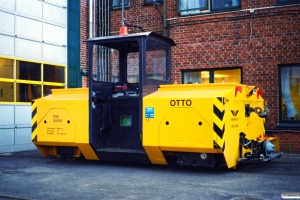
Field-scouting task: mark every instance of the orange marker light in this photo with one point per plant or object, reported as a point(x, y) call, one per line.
point(123, 30)
point(238, 88)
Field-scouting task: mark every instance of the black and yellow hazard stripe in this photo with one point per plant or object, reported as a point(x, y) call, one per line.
point(218, 121)
point(33, 121)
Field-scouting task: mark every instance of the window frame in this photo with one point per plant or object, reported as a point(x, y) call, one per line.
point(16, 81)
point(186, 10)
point(150, 2)
point(165, 67)
point(281, 2)
point(207, 9)
point(283, 122)
point(119, 6)
point(211, 73)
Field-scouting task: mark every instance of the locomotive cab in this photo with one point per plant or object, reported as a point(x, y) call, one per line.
point(124, 69)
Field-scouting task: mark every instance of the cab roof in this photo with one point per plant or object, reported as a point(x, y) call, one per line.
point(119, 41)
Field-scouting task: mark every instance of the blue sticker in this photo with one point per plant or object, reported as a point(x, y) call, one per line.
point(149, 112)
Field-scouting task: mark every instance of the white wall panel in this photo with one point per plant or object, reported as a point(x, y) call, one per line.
point(54, 34)
point(7, 25)
point(54, 53)
point(7, 137)
point(28, 49)
point(24, 24)
point(23, 114)
point(59, 17)
point(7, 45)
point(29, 7)
point(23, 136)
point(28, 28)
point(24, 147)
point(59, 2)
point(7, 4)
point(7, 115)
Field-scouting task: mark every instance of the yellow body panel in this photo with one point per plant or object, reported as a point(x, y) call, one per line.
point(189, 134)
point(200, 118)
point(155, 155)
point(58, 126)
point(62, 120)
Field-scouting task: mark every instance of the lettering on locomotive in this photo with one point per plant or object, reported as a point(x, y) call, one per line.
point(234, 112)
point(181, 102)
point(55, 118)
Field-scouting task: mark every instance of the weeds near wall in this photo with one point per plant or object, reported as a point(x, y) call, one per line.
point(289, 148)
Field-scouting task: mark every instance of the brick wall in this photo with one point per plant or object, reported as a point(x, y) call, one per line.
point(258, 42)
point(138, 14)
point(289, 141)
point(84, 34)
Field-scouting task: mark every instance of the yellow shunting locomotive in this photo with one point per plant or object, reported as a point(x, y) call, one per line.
point(131, 112)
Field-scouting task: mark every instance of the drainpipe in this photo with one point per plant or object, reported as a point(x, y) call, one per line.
point(165, 17)
point(91, 18)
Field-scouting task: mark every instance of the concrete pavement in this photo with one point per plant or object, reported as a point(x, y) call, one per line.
point(28, 175)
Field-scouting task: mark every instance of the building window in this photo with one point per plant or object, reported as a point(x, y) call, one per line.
point(28, 71)
point(287, 1)
point(54, 73)
point(186, 7)
point(224, 4)
point(118, 4)
point(27, 92)
point(24, 81)
point(232, 75)
point(153, 1)
point(290, 93)
point(6, 92)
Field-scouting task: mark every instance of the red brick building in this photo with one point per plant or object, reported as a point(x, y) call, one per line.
point(253, 42)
